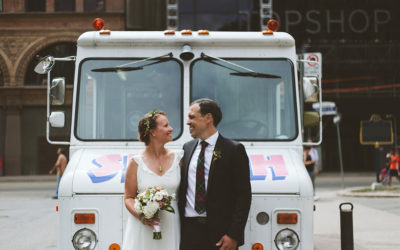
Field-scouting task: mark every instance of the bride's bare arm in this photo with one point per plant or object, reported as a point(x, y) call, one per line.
point(131, 187)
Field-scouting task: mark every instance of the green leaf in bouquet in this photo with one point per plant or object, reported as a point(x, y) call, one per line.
point(169, 209)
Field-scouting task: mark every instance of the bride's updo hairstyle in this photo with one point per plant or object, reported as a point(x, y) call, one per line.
point(147, 123)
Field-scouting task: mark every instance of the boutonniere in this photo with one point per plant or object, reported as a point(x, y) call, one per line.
point(216, 155)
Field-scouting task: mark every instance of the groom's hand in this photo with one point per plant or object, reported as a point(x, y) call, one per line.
point(227, 243)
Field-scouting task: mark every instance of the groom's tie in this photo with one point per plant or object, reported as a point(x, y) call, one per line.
point(200, 196)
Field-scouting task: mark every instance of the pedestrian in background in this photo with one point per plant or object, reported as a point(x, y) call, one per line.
point(314, 157)
point(309, 163)
point(394, 166)
point(59, 167)
point(1, 166)
point(384, 172)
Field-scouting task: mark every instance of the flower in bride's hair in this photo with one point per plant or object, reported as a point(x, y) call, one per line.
point(148, 120)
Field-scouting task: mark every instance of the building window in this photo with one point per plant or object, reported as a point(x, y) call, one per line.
point(35, 5)
point(94, 5)
point(61, 69)
point(64, 5)
point(221, 15)
point(1, 78)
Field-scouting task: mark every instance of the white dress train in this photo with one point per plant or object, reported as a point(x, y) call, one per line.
point(140, 237)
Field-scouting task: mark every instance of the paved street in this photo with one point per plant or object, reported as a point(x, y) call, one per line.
point(28, 219)
point(27, 215)
point(376, 221)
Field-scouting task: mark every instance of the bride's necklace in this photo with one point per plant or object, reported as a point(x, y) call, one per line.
point(159, 163)
point(160, 168)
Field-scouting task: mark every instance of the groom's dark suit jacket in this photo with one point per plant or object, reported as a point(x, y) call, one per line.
point(228, 191)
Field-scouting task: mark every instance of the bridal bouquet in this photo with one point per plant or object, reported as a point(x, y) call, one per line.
point(149, 203)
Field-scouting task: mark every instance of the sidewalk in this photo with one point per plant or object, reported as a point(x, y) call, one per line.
point(356, 185)
point(29, 178)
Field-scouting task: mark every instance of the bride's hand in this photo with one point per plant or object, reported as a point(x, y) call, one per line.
point(150, 222)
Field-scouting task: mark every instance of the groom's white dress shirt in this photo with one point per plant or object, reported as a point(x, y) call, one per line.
point(191, 191)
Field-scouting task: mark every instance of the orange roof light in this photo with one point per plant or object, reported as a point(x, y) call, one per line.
point(186, 32)
point(257, 246)
point(98, 24)
point(84, 218)
point(105, 32)
point(169, 32)
point(204, 32)
point(287, 218)
point(273, 25)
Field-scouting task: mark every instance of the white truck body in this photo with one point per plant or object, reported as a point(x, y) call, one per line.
point(94, 179)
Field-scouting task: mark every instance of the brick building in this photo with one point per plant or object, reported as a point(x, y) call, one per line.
point(31, 29)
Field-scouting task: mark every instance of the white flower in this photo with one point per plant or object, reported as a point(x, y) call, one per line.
point(150, 209)
point(158, 196)
point(173, 196)
point(164, 192)
point(138, 207)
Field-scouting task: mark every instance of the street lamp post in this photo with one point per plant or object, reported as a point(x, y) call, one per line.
point(336, 120)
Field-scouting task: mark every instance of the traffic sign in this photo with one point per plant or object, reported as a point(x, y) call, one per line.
point(313, 64)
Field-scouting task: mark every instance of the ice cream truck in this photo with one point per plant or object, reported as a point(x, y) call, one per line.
point(121, 75)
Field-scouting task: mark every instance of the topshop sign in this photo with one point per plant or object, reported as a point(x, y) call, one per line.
point(333, 21)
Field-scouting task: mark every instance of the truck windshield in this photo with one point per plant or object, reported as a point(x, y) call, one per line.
point(257, 104)
point(112, 97)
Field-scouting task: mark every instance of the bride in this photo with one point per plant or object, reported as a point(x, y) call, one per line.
point(156, 166)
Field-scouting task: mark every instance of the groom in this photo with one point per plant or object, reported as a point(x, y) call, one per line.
point(215, 192)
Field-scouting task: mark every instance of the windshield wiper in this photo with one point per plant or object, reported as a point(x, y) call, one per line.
point(123, 67)
point(117, 69)
point(249, 72)
point(255, 74)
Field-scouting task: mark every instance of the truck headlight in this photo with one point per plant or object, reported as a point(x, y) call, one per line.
point(287, 239)
point(84, 239)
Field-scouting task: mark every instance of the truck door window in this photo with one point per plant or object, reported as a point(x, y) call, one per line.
point(111, 101)
point(255, 106)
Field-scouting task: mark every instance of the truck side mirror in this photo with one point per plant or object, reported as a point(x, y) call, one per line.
point(57, 119)
point(57, 91)
point(45, 65)
point(310, 89)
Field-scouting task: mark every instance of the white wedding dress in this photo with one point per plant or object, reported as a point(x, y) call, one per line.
point(140, 237)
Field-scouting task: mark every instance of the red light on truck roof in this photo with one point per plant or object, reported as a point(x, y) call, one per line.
point(273, 25)
point(98, 24)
